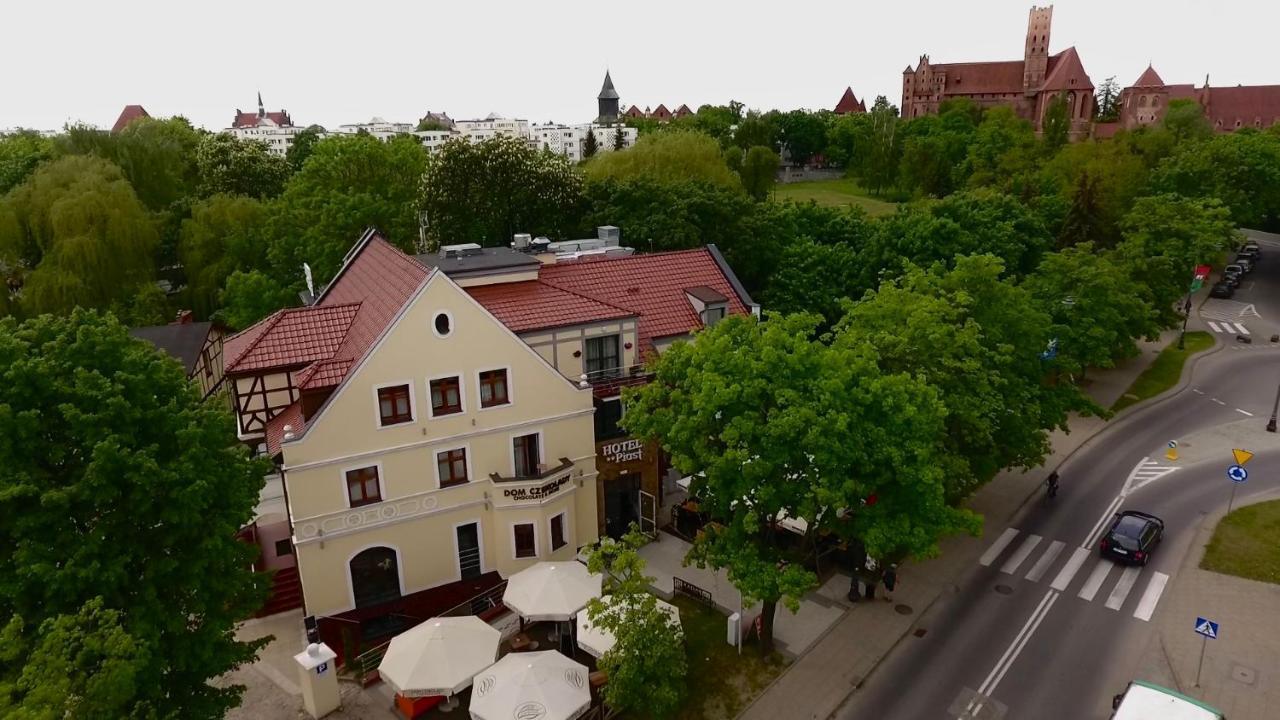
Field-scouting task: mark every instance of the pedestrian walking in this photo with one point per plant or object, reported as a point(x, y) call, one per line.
point(890, 581)
point(870, 578)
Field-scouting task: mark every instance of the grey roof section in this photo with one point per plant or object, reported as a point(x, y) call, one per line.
point(706, 294)
point(607, 92)
point(487, 261)
point(183, 342)
point(743, 295)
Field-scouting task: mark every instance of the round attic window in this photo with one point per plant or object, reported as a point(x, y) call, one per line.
point(443, 324)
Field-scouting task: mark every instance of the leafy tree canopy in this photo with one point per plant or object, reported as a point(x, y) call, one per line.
point(759, 171)
point(232, 166)
point(21, 151)
point(1241, 169)
point(224, 233)
point(119, 503)
point(669, 157)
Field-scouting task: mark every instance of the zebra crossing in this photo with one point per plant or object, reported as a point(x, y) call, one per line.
point(1227, 328)
point(1095, 580)
point(1224, 316)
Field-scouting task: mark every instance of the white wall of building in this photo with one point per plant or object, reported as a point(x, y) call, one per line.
point(278, 138)
point(569, 140)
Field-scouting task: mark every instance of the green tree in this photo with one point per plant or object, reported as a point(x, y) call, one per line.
point(934, 149)
point(77, 666)
point(815, 277)
point(879, 169)
point(252, 295)
point(761, 414)
point(304, 143)
point(619, 137)
point(225, 233)
point(672, 156)
point(21, 152)
point(759, 171)
point(1085, 219)
point(1241, 169)
point(349, 183)
point(849, 142)
point(1185, 120)
point(1056, 124)
point(1097, 311)
point(803, 134)
point(1095, 184)
point(158, 158)
point(1003, 151)
point(1107, 98)
point(76, 235)
point(486, 192)
point(647, 667)
point(232, 166)
point(589, 144)
point(121, 484)
point(756, 129)
point(1165, 237)
point(976, 339)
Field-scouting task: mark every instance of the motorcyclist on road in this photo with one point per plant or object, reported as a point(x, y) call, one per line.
point(1052, 482)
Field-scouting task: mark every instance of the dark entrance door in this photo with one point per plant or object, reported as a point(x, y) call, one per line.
point(375, 576)
point(621, 504)
point(468, 550)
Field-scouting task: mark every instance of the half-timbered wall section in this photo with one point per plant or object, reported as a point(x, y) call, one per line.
point(259, 398)
point(208, 370)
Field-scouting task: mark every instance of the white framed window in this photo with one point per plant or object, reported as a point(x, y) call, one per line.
point(446, 395)
point(528, 453)
point(559, 525)
point(494, 387)
point(453, 467)
point(362, 484)
point(524, 540)
point(394, 404)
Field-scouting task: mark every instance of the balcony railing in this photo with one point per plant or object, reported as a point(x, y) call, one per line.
point(628, 375)
point(544, 470)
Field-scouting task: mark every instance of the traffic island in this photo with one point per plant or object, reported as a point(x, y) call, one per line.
point(1247, 543)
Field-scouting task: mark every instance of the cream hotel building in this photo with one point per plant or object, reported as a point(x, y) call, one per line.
point(440, 422)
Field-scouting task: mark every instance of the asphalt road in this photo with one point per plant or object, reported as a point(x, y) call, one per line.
point(1042, 627)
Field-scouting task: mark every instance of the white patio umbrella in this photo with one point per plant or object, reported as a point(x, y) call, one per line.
point(440, 656)
point(551, 591)
point(531, 686)
point(597, 641)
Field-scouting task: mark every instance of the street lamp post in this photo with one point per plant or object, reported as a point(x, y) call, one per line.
point(1271, 424)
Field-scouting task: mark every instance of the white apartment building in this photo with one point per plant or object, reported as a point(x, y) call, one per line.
point(276, 129)
point(570, 140)
point(492, 126)
point(379, 128)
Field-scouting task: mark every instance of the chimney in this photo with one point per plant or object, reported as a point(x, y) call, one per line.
point(520, 241)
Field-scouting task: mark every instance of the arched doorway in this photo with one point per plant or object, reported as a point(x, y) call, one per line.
point(375, 576)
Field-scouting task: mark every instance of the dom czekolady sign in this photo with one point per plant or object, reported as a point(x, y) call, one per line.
point(535, 493)
point(623, 451)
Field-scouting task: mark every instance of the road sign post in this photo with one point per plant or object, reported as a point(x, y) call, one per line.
point(1172, 453)
point(1237, 474)
point(1206, 629)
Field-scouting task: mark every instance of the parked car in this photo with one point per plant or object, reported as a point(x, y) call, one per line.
point(1232, 278)
point(1132, 537)
point(1245, 262)
point(1252, 248)
point(1222, 289)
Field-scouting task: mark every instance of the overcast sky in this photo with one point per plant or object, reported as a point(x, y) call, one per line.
point(333, 63)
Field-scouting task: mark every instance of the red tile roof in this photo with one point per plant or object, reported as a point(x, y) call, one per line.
point(340, 327)
point(849, 103)
point(533, 304)
point(1250, 104)
point(983, 77)
point(1149, 78)
point(250, 119)
point(651, 286)
point(294, 336)
point(291, 416)
point(1063, 69)
point(128, 115)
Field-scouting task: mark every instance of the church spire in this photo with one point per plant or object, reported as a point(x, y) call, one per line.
point(607, 101)
point(262, 111)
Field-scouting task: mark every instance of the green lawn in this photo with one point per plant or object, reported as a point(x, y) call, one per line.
point(842, 193)
point(1247, 543)
point(721, 682)
point(1165, 371)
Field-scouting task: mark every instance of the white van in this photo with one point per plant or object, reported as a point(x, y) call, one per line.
point(1148, 701)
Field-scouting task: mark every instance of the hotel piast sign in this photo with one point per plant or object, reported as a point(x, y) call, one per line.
point(623, 451)
point(535, 493)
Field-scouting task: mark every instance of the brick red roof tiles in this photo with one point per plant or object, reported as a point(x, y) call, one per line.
point(1149, 78)
point(533, 304)
point(1249, 104)
point(250, 119)
point(983, 77)
point(849, 103)
point(337, 331)
point(1066, 72)
point(128, 115)
point(274, 432)
point(294, 336)
point(652, 286)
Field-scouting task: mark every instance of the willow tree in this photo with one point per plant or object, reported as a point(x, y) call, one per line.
point(78, 236)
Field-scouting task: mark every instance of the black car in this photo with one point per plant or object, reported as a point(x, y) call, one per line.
point(1222, 289)
point(1132, 537)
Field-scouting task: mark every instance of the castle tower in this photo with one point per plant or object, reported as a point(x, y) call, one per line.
point(608, 101)
point(1036, 57)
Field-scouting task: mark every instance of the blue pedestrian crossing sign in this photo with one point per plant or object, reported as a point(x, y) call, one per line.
point(1237, 473)
point(1207, 628)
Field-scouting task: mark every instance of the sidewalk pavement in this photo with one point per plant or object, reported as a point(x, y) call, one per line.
point(815, 685)
point(1239, 674)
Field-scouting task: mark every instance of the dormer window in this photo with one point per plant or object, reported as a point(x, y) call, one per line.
point(710, 305)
